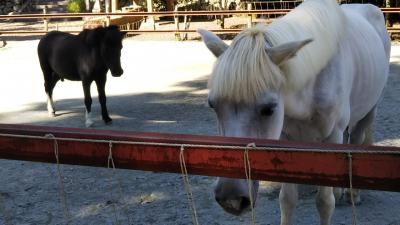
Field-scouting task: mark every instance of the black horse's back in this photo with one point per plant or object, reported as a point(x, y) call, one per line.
point(58, 52)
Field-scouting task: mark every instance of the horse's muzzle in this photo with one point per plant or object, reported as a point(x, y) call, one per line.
point(117, 73)
point(235, 206)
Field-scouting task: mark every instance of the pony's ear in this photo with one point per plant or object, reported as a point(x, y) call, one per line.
point(213, 42)
point(95, 36)
point(281, 53)
point(124, 33)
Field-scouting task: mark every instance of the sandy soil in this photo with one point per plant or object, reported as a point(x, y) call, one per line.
point(163, 89)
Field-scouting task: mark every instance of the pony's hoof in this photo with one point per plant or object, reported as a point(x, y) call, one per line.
point(108, 121)
point(52, 114)
point(89, 123)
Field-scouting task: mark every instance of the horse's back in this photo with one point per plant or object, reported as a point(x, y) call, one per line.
point(59, 51)
point(368, 46)
point(375, 18)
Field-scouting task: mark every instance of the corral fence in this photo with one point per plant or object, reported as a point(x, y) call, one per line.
point(249, 14)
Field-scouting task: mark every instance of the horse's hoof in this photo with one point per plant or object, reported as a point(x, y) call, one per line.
point(357, 200)
point(356, 197)
point(338, 193)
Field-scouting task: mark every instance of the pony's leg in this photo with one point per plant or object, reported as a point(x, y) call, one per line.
point(50, 82)
point(101, 83)
point(288, 197)
point(362, 133)
point(88, 102)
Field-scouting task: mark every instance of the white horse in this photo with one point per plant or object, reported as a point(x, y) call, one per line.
point(309, 76)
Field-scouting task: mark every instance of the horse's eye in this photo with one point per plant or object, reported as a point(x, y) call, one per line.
point(268, 110)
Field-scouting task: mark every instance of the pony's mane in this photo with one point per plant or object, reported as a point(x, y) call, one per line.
point(245, 71)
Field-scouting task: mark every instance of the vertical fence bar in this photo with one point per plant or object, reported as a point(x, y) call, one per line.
point(45, 20)
point(249, 17)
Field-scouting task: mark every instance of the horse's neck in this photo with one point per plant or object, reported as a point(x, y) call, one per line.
point(322, 105)
point(298, 102)
point(323, 21)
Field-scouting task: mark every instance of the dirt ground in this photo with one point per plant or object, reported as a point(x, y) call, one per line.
point(163, 89)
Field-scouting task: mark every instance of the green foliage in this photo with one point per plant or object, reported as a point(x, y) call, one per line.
point(76, 6)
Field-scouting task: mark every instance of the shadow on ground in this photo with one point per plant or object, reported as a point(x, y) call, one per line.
point(178, 111)
point(182, 111)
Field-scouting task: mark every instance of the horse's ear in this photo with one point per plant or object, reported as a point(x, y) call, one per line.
point(123, 34)
point(112, 27)
point(213, 42)
point(281, 53)
point(95, 36)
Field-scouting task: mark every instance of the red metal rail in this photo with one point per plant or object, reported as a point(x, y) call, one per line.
point(283, 162)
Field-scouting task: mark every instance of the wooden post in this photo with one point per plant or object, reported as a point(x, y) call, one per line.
point(107, 6)
point(114, 5)
point(108, 21)
point(170, 5)
point(87, 5)
point(387, 5)
point(96, 7)
point(176, 21)
point(45, 21)
point(249, 17)
point(150, 19)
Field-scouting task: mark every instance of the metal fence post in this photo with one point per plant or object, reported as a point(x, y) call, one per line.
point(45, 21)
point(249, 17)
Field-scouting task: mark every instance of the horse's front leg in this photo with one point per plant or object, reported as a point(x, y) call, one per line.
point(88, 102)
point(325, 198)
point(325, 204)
point(101, 83)
point(288, 197)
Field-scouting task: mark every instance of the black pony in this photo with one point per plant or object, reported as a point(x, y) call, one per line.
point(84, 57)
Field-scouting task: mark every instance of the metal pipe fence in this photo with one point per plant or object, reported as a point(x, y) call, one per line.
point(249, 13)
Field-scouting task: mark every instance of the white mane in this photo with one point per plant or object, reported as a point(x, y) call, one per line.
point(245, 70)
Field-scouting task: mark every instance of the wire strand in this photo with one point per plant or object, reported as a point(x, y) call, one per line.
point(247, 168)
point(62, 193)
point(187, 186)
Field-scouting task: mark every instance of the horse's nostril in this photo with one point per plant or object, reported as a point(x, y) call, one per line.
point(244, 202)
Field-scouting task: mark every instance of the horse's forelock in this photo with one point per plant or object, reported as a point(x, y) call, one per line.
point(244, 72)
